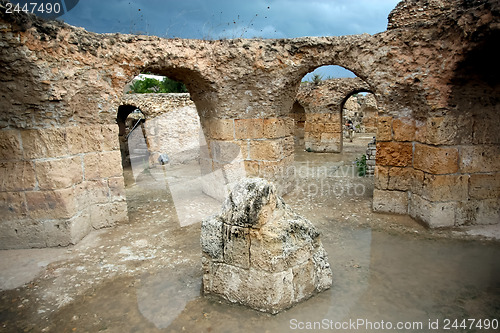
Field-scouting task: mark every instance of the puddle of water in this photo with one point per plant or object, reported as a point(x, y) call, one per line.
point(381, 273)
point(377, 277)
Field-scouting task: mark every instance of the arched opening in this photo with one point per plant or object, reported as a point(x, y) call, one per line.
point(359, 117)
point(326, 173)
point(131, 133)
point(323, 94)
point(164, 156)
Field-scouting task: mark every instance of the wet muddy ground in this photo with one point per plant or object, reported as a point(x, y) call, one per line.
point(145, 276)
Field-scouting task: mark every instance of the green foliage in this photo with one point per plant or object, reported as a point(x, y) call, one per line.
point(316, 79)
point(361, 165)
point(149, 85)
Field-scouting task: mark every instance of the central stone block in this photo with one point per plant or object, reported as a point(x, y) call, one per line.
point(259, 253)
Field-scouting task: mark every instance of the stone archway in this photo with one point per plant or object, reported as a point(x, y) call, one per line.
point(324, 104)
point(63, 86)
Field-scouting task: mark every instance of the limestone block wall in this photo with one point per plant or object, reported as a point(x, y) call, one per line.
point(172, 125)
point(235, 148)
point(58, 184)
point(323, 103)
point(439, 172)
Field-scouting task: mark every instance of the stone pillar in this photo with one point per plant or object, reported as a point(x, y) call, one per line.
point(237, 148)
point(59, 183)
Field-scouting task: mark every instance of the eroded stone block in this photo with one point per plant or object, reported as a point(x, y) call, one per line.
point(390, 201)
point(435, 160)
point(259, 253)
point(394, 153)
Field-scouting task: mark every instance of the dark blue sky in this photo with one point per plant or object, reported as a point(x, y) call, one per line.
point(214, 19)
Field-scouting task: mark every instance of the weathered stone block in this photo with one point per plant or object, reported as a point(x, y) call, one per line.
point(10, 145)
point(403, 129)
point(479, 159)
point(333, 128)
point(267, 150)
point(252, 168)
point(44, 143)
point(262, 291)
point(91, 192)
point(484, 186)
point(221, 129)
point(446, 130)
point(303, 280)
point(318, 128)
point(390, 201)
point(231, 171)
point(274, 128)
point(405, 179)
point(85, 139)
point(435, 160)
point(445, 187)
point(102, 165)
point(12, 206)
point(384, 128)
point(79, 225)
point(212, 243)
point(271, 169)
point(381, 177)
point(249, 128)
point(486, 128)
point(259, 253)
point(288, 146)
point(331, 137)
point(59, 173)
point(110, 140)
point(289, 126)
point(17, 176)
point(228, 151)
point(432, 214)
point(394, 154)
point(473, 212)
point(116, 188)
point(21, 233)
point(56, 204)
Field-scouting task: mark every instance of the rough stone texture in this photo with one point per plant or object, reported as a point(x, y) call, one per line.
point(323, 104)
point(56, 200)
point(172, 126)
point(259, 253)
point(435, 67)
point(362, 111)
point(390, 201)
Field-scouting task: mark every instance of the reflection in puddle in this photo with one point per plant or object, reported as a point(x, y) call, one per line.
point(377, 277)
point(163, 296)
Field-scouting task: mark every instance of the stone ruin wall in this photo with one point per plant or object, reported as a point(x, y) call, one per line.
point(435, 81)
point(172, 126)
point(363, 111)
point(323, 104)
